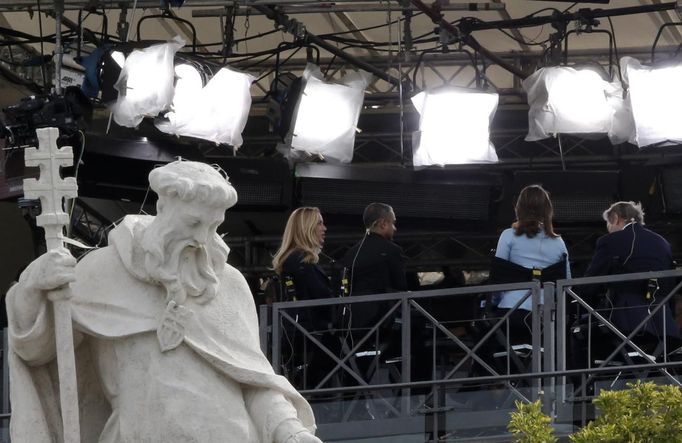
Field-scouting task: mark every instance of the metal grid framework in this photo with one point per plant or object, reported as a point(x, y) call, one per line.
point(457, 358)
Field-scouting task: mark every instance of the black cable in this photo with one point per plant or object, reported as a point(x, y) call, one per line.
point(615, 50)
point(525, 42)
point(262, 34)
point(569, 8)
point(329, 65)
point(272, 55)
point(42, 49)
point(369, 28)
point(37, 39)
point(533, 14)
point(374, 44)
point(248, 56)
point(255, 36)
point(274, 69)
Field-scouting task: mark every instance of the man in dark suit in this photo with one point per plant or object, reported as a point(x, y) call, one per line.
point(375, 264)
point(630, 247)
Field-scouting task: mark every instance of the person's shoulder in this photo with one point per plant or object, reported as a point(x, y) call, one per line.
point(387, 244)
point(293, 260)
point(655, 236)
point(395, 247)
point(612, 237)
point(508, 235)
point(509, 232)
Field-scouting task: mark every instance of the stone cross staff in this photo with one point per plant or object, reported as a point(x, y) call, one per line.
point(51, 189)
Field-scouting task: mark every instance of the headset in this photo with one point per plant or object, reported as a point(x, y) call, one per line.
point(355, 257)
point(632, 245)
point(348, 273)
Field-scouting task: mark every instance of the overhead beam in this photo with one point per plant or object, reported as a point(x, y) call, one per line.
point(184, 29)
point(15, 5)
point(467, 39)
point(314, 7)
point(515, 32)
point(355, 31)
point(664, 16)
point(297, 29)
point(582, 14)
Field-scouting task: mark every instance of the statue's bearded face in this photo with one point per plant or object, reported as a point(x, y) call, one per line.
point(184, 250)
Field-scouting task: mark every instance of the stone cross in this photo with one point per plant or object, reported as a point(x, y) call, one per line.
point(52, 189)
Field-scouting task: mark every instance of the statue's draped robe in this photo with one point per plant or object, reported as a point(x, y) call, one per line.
point(191, 393)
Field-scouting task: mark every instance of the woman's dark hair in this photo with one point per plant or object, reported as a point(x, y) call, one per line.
point(534, 212)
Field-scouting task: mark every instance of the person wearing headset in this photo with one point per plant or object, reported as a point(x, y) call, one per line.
point(630, 247)
point(297, 263)
point(375, 264)
point(532, 243)
point(299, 254)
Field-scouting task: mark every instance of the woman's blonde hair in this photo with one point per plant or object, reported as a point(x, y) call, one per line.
point(299, 233)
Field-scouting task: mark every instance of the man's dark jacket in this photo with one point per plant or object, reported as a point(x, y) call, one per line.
point(375, 265)
point(378, 267)
point(634, 249)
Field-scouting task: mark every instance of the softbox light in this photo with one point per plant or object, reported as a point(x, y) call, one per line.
point(215, 112)
point(654, 94)
point(145, 85)
point(454, 127)
point(326, 116)
point(564, 100)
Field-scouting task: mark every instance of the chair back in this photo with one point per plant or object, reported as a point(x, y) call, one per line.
point(504, 271)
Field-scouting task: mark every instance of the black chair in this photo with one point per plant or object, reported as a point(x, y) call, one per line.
point(517, 346)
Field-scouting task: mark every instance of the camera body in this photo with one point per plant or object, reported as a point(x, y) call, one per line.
point(70, 113)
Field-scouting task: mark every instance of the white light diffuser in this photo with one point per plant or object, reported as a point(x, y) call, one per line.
point(215, 112)
point(145, 86)
point(654, 94)
point(454, 127)
point(327, 115)
point(564, 100)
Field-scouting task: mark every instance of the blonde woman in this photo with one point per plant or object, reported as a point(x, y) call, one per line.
point(297, 259)
point(298, 256)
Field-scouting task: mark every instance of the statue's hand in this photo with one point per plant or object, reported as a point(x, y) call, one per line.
point(303, 437)
point(292, 431)
point(52, 270)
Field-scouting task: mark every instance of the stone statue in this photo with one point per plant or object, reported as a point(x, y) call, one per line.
point(165, 331)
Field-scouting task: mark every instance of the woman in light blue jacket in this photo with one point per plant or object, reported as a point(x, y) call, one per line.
point(532, 243)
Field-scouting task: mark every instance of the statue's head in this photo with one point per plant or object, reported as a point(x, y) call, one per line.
point(192, 182)
point(183, 248)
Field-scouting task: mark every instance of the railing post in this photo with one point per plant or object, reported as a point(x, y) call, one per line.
point(561, 336)
point(5, 383)
point(264, 329)
point(536, 361)
point(276, 349)
point(548, 337)
point(405, 375)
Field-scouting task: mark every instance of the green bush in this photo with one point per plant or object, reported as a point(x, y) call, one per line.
point(530, 425)
point(643, 413)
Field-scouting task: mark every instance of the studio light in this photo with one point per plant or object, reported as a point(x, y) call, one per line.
point(326, 116)
point(564, 100)
point(454, 127)
point(215, 112)
point(653, 96)
point(145, 86)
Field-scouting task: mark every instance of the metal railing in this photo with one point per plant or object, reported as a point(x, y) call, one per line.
point(542, 369)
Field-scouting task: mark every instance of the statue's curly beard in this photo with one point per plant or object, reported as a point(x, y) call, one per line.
point(184, 268)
